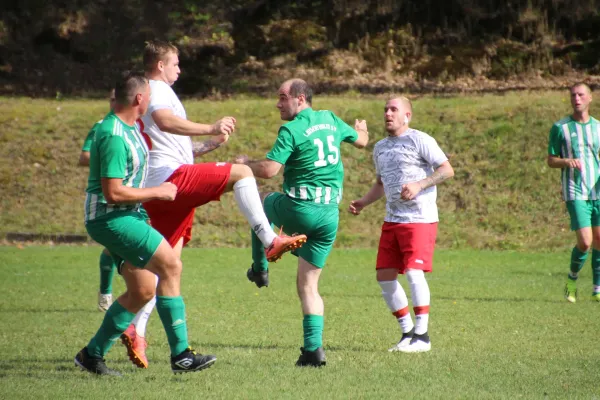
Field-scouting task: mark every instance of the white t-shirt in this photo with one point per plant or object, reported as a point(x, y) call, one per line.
point(410, 157)
point(168, 151)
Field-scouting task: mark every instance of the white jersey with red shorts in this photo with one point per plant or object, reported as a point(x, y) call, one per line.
point(172, 160)
point(410, 228)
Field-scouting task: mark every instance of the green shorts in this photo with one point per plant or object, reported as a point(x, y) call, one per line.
point(317, 221)
point(127, 236)
point(584, 213)
point(144, 214)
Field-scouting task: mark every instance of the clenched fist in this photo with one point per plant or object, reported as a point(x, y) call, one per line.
point(167, 191)
point(224, 126)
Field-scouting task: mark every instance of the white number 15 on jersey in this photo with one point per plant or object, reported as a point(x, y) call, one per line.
point(332, 157)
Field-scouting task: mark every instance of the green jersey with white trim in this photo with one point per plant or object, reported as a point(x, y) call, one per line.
point(87, 143)
point(118, 151)
point(309, 147)
point(572, 139)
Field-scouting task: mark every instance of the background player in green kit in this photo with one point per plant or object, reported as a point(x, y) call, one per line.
point(118, 170)
point(573, 147)
point(308, 147)
point(107, 264)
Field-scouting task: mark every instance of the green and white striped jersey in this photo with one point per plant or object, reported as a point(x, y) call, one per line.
point(309, 148)
point(571, 139)
point(118, 150)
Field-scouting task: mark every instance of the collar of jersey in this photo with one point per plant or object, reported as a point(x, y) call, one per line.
point(305, 111)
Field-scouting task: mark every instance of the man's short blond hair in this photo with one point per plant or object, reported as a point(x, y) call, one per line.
point(156, 51)
point(405, 100)
point(580, 84)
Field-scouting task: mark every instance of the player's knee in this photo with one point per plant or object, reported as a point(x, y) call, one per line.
point(386, 274)
point(240, 171)
point(141, 295)
point(584, 246)
point(306, 288)
point(169, 266)
point(173, 267)
point(415, 276)
point(147, 294)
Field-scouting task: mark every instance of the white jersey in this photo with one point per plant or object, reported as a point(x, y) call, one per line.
point(410, 157)
point(168, 151)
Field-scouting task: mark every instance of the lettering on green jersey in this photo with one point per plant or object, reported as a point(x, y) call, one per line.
point(319, 127)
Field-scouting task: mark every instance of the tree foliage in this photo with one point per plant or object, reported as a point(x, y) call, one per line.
point(77, 46)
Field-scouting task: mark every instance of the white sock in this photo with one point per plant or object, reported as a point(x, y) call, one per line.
point(396, 300)
point(421, 298)
point(141, 318)
point(246, 195)
point(596, 289)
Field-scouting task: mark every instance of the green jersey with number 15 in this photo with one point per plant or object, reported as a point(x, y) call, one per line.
point(309, 147)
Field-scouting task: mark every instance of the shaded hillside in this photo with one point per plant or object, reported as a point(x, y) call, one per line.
point(54, 48)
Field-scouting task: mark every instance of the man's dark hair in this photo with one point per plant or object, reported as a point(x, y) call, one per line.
point(298, 87)
point(128, 85)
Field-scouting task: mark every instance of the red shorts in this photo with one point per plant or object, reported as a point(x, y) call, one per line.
point(406, 246)
point(197, 184)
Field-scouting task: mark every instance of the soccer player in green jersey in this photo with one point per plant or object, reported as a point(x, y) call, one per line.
point(573, 147)
point(134, 337)
point(308, 146)
point(107, 264)
point(118, 170)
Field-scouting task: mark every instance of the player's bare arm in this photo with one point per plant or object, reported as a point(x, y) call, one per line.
point(265, 169)
point(84, 159)
point(443, 172)
point(116, 193)
point(169, 122)
point(360, 126)
point(558, 162)
point(201, 148)
point(375, 193)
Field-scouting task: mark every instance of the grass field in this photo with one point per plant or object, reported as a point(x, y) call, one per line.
point(503, 195)
point(499, 327)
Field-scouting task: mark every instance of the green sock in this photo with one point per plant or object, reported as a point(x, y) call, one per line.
point(107, 271)
point(172, 314)
point(116, 320)
point(313, 332)
point(596, 267)
point(578, 258)
point(259, 259)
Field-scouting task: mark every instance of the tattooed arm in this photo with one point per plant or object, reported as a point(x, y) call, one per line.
point(200, 148)
point(443, 172)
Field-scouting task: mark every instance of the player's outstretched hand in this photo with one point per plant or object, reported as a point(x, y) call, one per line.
point(241, 159)
point(360, 125)
point(410, 190)
point(356, 206)
point(167, 191)
point(225, 125)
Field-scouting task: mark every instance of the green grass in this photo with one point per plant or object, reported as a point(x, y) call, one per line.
point(500, 329)
point(502, 197)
